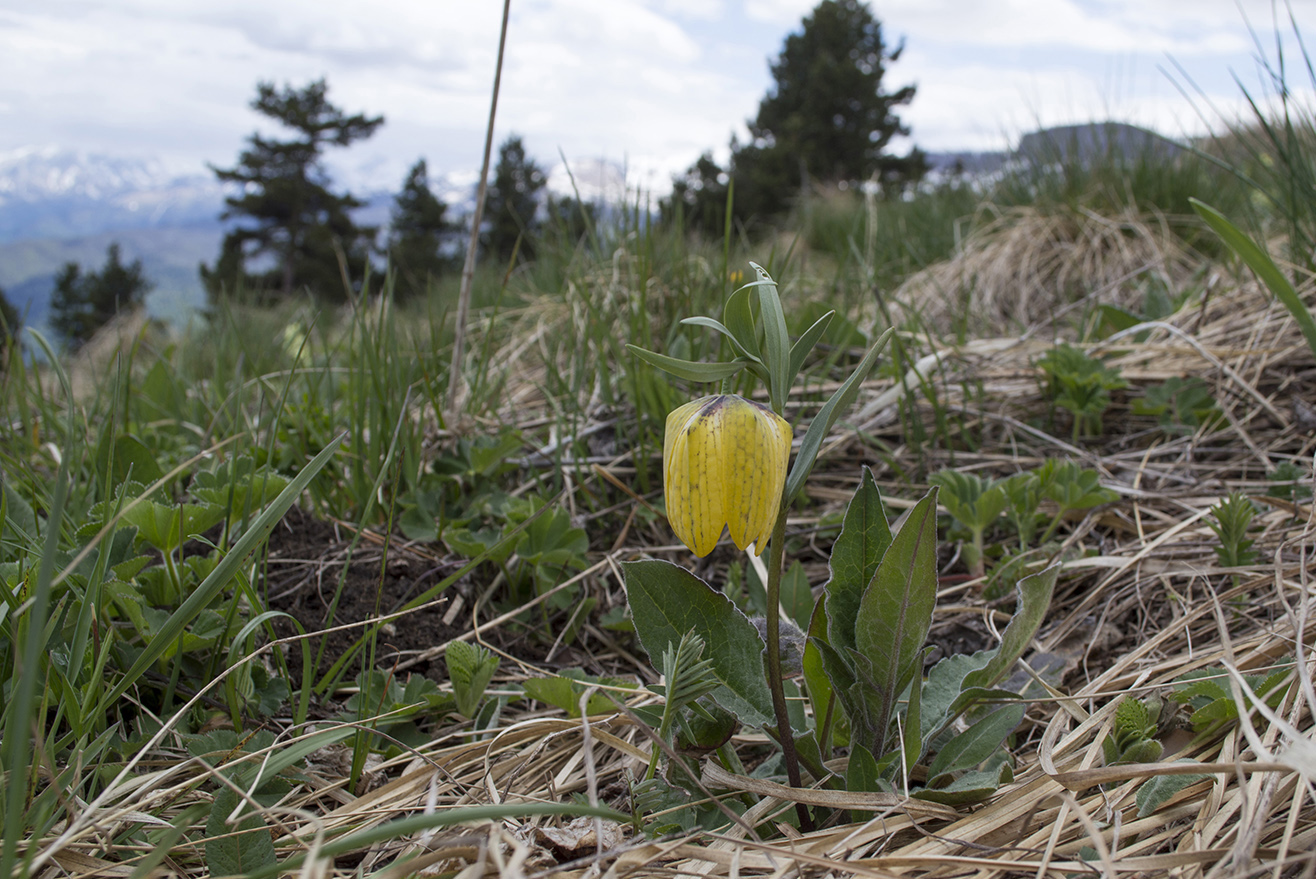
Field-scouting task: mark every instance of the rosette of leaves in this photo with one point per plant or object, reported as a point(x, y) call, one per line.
point(1180, 405)
point(976, 504)
point(1079, 384)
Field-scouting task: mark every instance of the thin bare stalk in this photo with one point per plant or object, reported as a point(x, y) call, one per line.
point(455, 379)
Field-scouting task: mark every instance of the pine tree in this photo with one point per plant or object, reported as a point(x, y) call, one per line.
point(512, 202)
point(84, 302)
point(828, 110)
point(294, 217)
point(418, 231)
point(825, 119)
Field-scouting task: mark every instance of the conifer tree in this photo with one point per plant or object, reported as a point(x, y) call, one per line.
point(418, 230)
point(287, 212)
point(512, 203)
point(84, 302)
point(827, 118)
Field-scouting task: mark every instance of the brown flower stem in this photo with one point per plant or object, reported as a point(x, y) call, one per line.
point(776, 557)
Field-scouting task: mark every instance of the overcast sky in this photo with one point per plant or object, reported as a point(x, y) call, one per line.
point(645, 83)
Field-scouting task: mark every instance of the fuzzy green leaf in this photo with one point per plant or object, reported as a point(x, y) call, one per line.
point(975, 744)
point(1034, 600)
point(667, 601)
point(895, 613)
point(863, 541)
point(1158, 789)
point(236, 854)
point(972, 787)
point(470, 668)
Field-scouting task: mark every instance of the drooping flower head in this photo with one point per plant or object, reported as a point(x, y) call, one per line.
point(724, 465)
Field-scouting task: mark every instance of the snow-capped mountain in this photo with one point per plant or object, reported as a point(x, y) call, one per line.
point(51, 193)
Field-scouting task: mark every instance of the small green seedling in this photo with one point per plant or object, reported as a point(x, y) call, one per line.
point(1180, 405)
point(470, 668)
point(1079, 384)
point(1132, 738)
point(974, 503)
point(1233, 517)
point(1071, 488)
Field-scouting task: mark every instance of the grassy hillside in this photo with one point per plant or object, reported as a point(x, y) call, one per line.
point(290, 590)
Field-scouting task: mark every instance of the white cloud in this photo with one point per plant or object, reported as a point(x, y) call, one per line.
point(652, 83)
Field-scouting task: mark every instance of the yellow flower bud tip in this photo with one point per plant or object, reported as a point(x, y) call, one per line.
point(724, 466)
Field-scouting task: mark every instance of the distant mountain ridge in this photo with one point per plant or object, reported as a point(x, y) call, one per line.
point(48, 193)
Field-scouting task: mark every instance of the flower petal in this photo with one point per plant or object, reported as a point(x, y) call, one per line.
point(756, 473)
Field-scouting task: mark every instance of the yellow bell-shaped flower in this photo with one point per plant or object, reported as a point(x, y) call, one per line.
point(724, 464)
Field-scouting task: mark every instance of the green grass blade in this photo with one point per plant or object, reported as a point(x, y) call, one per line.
point(1260, 262)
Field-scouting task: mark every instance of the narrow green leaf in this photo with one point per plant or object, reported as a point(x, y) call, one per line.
point(800, 350)
point(826, 419)
point(688, 369)
point(895, 611)
point(1260, 262)
point(739, 319)
point(667, 601)
point(861, 774)
point(713, 324)
point(975, 744)
point(863, 541)
point(796, 595)
point(815, 675)
point(776, 338)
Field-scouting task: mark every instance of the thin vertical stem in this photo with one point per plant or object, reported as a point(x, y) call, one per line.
point(455, 380)
point(776, 557)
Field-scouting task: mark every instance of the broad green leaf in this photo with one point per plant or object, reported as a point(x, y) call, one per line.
point(826, 419)
point(896, 608)
point(564, 691)
point(667, 601)
point(863, 541)
point(1260, 262)
point(973, 746)
point(120, 456)
point(800, 350)
point(160, 525)
point(688, 369)
point(1034, 600)
point(236, 854)
point(1155, 791)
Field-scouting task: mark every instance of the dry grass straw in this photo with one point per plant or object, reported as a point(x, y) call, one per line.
point(1029, 265)
point(1142, 600)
